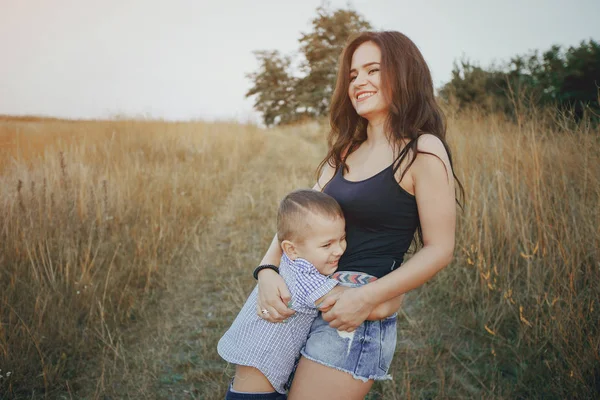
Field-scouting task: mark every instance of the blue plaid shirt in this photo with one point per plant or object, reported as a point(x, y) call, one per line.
point(272, 348)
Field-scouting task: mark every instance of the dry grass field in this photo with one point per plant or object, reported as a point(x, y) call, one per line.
point(126, 249)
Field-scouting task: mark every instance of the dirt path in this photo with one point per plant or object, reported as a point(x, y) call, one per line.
point(172, 353)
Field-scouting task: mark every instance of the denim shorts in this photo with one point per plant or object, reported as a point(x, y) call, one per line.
point(365, 353)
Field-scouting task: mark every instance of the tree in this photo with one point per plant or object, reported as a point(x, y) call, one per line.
point(321, 49)
point(472, 85)
point(568, 80)
point(274, 88)
point(282, 97)
point(581, 78)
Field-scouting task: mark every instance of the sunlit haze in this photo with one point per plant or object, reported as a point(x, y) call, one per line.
point(183, 59)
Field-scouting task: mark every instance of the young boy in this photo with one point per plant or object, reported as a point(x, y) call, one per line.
point(311, 232)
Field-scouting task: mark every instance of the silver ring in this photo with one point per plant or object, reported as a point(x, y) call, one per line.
point(264, 311)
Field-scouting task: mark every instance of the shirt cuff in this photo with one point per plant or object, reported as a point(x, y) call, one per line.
point(321, 291)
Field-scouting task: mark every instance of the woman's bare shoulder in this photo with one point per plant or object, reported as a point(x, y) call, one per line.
point(429, 143)
point(431, 154)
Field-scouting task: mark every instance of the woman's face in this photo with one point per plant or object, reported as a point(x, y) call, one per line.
point(365, 82)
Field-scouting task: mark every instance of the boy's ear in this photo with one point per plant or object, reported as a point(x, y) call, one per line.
point(289, 249)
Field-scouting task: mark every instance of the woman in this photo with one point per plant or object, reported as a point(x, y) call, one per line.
point(390, 169)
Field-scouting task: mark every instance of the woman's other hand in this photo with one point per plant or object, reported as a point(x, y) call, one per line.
point(350, 310)
point(273, 296)
point(386, 309)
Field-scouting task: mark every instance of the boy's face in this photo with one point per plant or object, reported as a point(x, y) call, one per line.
point(322, 244)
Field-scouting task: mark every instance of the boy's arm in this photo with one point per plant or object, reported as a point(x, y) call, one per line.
point(310, 286)
point(334, 293)
point(315, 296)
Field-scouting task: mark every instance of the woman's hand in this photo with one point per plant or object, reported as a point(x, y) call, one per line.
point(273, 296)
point(386, 309)
point(350, 310)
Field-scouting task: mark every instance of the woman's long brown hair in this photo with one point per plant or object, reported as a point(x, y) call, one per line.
point(413, 110)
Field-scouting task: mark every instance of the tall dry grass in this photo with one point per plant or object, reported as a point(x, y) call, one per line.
point(101, 220)
point(93, 216)
point(516, 313)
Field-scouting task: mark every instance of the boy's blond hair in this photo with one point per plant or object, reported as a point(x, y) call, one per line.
point(293, 210)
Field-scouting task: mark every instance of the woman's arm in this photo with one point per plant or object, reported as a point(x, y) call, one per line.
point(381, 311)
point(273, 294)
point(386, 309)
point(434, 191)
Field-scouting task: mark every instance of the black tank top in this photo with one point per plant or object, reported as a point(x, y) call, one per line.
point(381, 219)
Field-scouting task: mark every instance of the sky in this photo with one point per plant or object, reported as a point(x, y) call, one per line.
point(188, 59)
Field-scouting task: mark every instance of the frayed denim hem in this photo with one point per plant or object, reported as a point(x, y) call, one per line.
point(386, 377)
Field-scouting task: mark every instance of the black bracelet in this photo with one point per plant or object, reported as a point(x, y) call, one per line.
point(264, 266)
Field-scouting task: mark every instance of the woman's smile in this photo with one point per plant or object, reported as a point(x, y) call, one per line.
point(363, 95)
